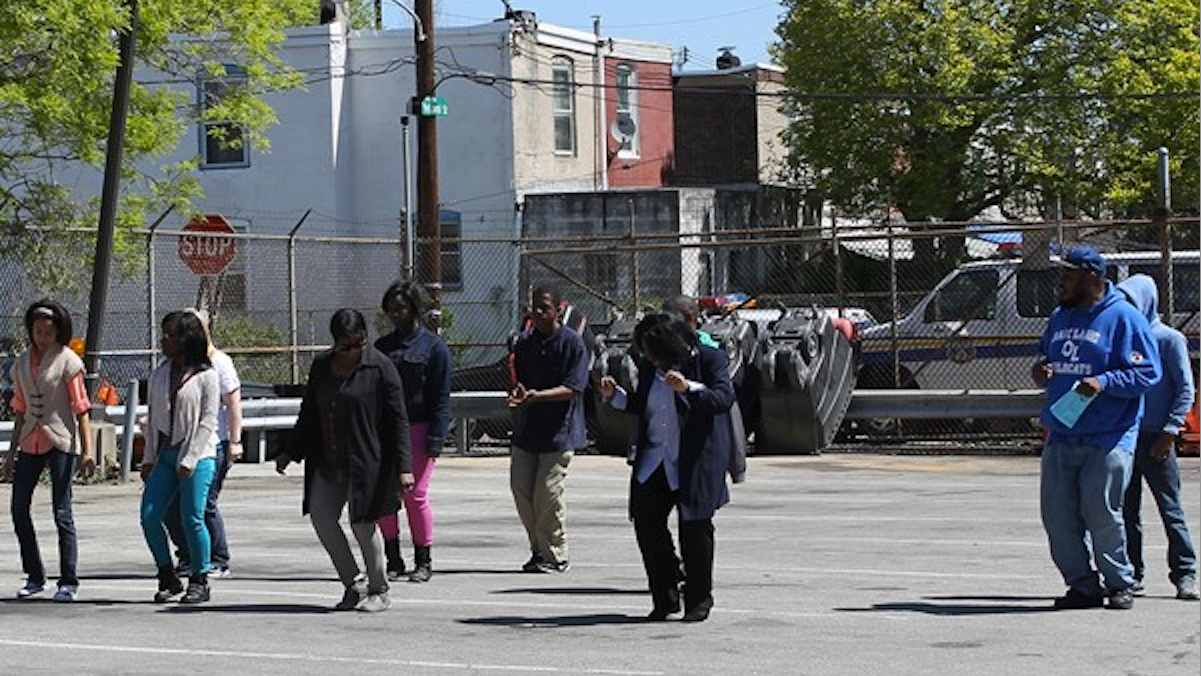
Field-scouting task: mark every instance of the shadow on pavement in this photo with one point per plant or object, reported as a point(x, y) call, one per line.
point(251, 608)
point(970, 605)
point(48, 600)
point(553, 622)
point(573, 591)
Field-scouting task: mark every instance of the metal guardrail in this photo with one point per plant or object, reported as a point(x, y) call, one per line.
point(260, 416)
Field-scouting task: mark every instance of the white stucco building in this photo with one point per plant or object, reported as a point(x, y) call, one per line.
point(527, 115)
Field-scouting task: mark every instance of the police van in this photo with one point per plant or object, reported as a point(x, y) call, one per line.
point(980, 327)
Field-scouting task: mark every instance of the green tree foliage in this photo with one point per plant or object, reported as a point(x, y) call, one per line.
point(230, 333)
point(57, 63)
point(947, 108)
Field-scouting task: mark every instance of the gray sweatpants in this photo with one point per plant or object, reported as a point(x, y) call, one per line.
point(325, 511)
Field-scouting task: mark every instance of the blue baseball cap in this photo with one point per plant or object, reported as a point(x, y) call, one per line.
point(1083, 258)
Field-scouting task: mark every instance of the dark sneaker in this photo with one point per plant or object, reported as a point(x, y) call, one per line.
point(1121, 600)
point(350, 599)
point(554, 567)
point(67, 593)
point(353, 594)
point(1186, 589)
point(533, 565)
point(198, 590)
point(698, 613)
point(421, 573)
point(395, 561)
point(30, 590)
point(169, 585)
point(661, 613)
point(1137, 589)
point(1074, 600)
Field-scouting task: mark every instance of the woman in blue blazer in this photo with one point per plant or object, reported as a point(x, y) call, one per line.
point(682, 451)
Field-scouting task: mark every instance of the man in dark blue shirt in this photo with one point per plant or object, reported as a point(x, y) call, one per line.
point(550, 365)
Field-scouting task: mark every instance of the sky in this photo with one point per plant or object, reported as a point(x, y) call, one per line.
point(700, 25)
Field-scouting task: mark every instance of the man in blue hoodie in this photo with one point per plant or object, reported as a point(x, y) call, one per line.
point(1098, 351)
point(1164, 407)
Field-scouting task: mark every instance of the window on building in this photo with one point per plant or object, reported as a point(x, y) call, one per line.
point(564, 106)
point(970, 295)
point(452, 249)
point(625, 126)
point(221, 142)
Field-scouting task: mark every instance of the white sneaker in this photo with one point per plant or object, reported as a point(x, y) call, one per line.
point(66, 593)
point(375, 603)
point(31, 589)
point(222, 572)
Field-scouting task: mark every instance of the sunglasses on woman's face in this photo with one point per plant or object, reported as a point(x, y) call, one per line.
point(348, 347)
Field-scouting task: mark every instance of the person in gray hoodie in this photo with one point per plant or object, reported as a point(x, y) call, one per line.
point(1164, 407)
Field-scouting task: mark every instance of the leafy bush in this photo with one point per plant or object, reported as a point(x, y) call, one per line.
point(231, 334)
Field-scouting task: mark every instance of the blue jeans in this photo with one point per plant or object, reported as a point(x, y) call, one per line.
point(212, 518)
point(1081, 498)
point(162, 487)
point(1163, 478)
point(25, 478)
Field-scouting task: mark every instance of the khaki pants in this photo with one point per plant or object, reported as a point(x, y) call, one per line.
point(538, 481)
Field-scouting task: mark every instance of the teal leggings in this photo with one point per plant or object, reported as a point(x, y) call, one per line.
point(162, 486)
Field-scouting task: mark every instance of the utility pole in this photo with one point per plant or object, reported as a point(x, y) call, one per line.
point(406, 210)
point(428, 225)
point(109, 195)
point(1167, 287)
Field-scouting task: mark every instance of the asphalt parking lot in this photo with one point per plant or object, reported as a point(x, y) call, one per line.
point(839, 564)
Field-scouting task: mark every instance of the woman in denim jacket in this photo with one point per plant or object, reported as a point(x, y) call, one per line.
point(423, 360)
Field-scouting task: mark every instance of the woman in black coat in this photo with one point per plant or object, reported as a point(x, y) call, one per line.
point(353, 431)
point(683, 449)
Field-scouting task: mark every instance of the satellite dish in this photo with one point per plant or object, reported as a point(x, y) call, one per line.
point(623, 129)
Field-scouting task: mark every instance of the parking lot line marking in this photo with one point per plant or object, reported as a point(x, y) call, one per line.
point(236, 654)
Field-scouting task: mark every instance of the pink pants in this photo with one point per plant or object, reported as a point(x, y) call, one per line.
point(416, 501)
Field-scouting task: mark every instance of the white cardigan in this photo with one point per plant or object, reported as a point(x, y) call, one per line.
point(195, 413)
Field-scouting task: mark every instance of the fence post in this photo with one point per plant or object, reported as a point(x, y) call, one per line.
point(151, 300)
point(293, 328)
point(131, 421)
point(896, 307)
point(1167, 289)
point(840, 287)
point(634, 258)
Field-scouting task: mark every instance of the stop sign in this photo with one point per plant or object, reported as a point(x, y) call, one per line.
point(208, 255)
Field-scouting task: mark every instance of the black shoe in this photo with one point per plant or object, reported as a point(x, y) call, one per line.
point(553, 567)
point(534, 565)
point(169, 585)
point(396, 562)
point(1074, 600)
point(1121, 600)
point(698, 613)
point(198, 589)
point(661, 613)
point(1137, 589)
point(421, 573)
point(424, 569)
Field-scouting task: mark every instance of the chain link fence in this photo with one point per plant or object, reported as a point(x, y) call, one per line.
point(944, 306)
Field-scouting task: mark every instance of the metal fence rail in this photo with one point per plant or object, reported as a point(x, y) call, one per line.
point(272, 303)
point(260, 416)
